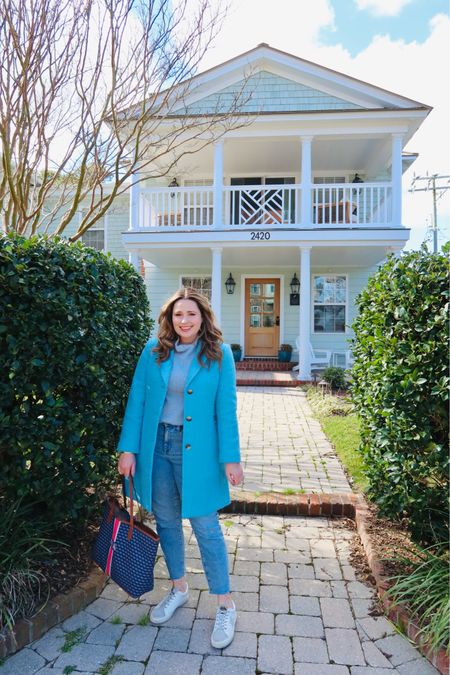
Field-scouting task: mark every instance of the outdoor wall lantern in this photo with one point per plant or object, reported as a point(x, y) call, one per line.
point(357, 179)
point(230, 284)
point(356, 191)
point(294, 298)
point(173, 184)
point(295, 284)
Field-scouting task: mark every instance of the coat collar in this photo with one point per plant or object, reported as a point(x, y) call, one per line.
point(166, 366)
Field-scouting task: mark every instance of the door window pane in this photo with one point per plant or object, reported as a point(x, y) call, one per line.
point(255, 320)
point(268, 320)
point(255, 289)
point(269, 290)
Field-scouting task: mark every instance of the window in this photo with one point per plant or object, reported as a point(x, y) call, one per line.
point(94, 238)
point(330, 303)
point(201, 284)
point(327, 194)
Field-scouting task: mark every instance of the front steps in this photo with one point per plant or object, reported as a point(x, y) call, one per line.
point(266, 373)
point(272, 365)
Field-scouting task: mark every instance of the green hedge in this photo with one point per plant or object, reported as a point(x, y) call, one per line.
point(400, 390)
point(72, 324)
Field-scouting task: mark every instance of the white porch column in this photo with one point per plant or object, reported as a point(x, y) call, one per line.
point(304, 372)
point(134, 203)
point(218, 183)
point(216, 283)
point(396, 178)
point(306, 181)
point(133, 259)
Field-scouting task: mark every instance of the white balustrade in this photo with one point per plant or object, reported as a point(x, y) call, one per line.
point(356, 204)
point(273, 206)
point(261, 205)
point(176, 207)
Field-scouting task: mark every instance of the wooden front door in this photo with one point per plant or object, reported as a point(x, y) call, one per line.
point(262, 317)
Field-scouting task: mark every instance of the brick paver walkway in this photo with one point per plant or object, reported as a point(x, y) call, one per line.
point(301, 610)
point(283, 446)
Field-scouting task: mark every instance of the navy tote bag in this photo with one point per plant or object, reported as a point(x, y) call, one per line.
point(125, 548)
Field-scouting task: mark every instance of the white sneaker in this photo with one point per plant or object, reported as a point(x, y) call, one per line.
point(164, 610)
point(223, 632)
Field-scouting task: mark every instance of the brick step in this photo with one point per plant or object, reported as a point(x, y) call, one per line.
point(271, 365)
point(253, 378)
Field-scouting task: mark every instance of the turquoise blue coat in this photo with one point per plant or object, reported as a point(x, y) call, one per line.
point(210, 429)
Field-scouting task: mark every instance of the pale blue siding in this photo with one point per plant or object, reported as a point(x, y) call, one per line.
point(161, 283)
point(265, 92)
point(117, 223)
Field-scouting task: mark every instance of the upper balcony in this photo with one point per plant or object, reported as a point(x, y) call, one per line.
point(292, 206)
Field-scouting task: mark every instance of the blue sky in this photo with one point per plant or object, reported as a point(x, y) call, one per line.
point(399, 45)
point(355, 28)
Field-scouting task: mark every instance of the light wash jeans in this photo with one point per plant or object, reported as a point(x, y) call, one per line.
point(166, 506)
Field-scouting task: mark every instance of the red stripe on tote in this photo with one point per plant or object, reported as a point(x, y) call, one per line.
point(111, 548)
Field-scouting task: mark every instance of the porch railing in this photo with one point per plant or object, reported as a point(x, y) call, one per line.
point(340, 204)
point(262, 205)
point(176, 207)
point(352, 204)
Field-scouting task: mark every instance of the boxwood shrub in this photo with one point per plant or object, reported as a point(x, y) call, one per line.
point(400, 389)
point(72, 324)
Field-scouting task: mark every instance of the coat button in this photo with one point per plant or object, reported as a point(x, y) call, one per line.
point(188, 419)
point(187, 446)
point(189, 391)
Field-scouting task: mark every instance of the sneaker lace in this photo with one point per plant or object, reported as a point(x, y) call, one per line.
point(222, 619)
point(169, 598)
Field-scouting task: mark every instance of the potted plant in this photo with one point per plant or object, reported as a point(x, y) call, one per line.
point(285, 353)
point(237, 351)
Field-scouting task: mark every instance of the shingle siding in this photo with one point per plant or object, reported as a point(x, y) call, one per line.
point(265, 92)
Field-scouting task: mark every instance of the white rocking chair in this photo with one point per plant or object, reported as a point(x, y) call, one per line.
point(320, 359)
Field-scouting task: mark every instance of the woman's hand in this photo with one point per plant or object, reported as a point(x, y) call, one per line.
point(127, 464)
point(234, 473)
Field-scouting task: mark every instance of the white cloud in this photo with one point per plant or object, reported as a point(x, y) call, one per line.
point(382, 7)
point(413, 69)
point(291, 25)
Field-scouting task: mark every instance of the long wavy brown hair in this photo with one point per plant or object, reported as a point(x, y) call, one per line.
point(210, 335)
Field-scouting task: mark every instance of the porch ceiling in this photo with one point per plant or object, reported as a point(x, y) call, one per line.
point(282, 156)
point(265, 258)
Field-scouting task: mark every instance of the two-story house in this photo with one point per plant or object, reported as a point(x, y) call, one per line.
point(283, 219)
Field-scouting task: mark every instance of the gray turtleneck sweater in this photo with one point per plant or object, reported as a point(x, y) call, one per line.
point(172, 412)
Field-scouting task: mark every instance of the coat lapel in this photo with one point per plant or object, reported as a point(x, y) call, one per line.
point(165, 368)
point(195, 365)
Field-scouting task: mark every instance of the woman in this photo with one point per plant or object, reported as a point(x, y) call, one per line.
point(180, 441)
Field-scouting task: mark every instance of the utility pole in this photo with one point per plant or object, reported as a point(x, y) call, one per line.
point(436, 184)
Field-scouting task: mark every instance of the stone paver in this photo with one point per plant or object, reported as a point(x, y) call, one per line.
point(301, 610)
point(282, 446)
point(275, 654)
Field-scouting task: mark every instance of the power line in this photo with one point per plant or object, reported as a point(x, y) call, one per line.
point(438, 185)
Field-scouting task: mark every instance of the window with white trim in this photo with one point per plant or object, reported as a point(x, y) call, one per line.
point(324, 194)
point(95, 235)
point(330, 303)
point(200, 284)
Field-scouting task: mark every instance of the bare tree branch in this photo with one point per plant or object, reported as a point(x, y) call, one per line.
point(91, 89)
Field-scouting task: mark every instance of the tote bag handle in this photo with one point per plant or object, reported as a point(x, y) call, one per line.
point(130, 482)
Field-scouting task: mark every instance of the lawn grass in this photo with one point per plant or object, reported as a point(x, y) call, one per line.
point(341, 427)
point(343, 432)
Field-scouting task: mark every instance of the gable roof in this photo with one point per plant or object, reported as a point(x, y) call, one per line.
point(260, 74)
point(266, 92)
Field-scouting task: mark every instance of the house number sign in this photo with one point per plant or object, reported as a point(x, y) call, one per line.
point(259, 235)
